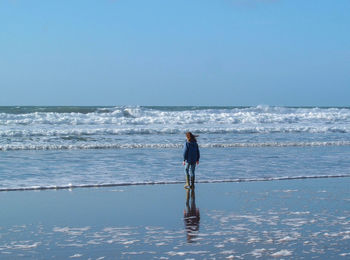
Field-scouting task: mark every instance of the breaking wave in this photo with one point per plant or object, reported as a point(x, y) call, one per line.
point(13, 147)
point(171, 115)
point(37, 132)
point(123, 127)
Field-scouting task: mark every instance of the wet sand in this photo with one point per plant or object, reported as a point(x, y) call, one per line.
point(292, 219)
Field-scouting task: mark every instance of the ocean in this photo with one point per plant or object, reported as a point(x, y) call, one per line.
point(66, 147)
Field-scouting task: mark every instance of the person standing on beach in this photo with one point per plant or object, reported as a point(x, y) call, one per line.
point(191, 158)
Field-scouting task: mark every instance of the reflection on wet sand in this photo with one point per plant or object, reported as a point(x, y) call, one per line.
point(191, 216)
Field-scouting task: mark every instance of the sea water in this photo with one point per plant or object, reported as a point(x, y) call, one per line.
point(62, 147)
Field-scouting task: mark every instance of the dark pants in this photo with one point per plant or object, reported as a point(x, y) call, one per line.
point(190, 168)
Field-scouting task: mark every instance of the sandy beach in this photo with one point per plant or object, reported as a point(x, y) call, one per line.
point(294, 219)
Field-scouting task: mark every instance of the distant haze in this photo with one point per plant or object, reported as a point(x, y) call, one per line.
point(184, 52)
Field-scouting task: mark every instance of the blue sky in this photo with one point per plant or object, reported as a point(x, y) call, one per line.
point(184, 52)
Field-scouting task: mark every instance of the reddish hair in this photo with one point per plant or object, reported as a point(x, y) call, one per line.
point(190, 137)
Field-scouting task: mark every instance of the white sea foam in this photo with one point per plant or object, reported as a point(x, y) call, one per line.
point(258, 252)
point(282, 253)
point(46, 128)
point(286, 239)
point(71, 231)
point(76, 256)
point(27, 246)
point(300, 213)
point(139, 253)
point(253, 240)
point(228, 252)
point(89, 146)
point(199, 252)
point(144, 115)
point(254, 219)
point(295, 222)
point(41, 131)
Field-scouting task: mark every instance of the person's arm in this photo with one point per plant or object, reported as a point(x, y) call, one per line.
point(185, 153)
point(198, 154)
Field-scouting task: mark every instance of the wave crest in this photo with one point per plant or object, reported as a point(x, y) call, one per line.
point(14, 147)
point(153, 116)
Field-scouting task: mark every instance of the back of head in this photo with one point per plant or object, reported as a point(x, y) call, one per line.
point(190, 137)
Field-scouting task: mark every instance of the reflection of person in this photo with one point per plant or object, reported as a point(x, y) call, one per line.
point(191, 216)
point(191, 158)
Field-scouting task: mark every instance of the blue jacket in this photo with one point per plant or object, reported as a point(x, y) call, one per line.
point(191, 152)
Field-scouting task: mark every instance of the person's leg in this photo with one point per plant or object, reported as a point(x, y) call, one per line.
point(193, 168)
point(187, 185)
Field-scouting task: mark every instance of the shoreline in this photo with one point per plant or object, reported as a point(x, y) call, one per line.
point(109, 185)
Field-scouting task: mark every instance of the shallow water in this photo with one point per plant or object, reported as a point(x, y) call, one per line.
point(62, 147)
point(77, 168)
